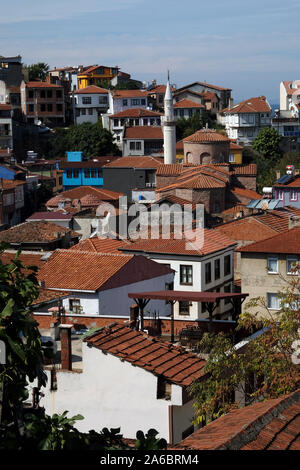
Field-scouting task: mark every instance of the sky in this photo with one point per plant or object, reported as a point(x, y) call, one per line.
point(248, 47)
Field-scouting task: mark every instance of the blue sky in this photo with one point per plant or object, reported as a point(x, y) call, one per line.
point(249, 48)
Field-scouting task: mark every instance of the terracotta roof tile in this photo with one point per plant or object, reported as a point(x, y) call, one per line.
point(248, 193)
point(206, 135)
point(252, 105)
point(248, 229)
point(187, 104)
point(213, 241)
point(47, 295)
point(41, 85)
point(143, 132)
point(172, 169)
point(269, 425)
point(80, 192)
point(98, 245)
point(275, 219)
point(35, 232)
point(129, 94)
point(136, 162)
point(91, 89)
point(93, 271)
point(28, 259)
point(287, 242)
point(136, 113)
point(160, 358)
point(250, 169)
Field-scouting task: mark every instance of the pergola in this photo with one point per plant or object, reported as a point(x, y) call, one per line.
point(210, 301)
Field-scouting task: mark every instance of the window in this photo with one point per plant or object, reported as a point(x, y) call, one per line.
point(186, 274)
point(43, 94)
point(58, 94)
point(59, 107)
point(75, 173)
point(93, 173)
point(145, 122)
point(184, 308)
point(83, 111)
point(100, 173)
point(272, 264)
point(86, 100)
point(207, 273)
point(116, 122)
point(31, 108)
point(294, 195)
point(217, 269)
point(227, 265)
point(138, 145)
point(135, 102)
point(124, 102)
point(273, 301)
point(164, 389)
point(87, 173)
point(69, 174)
point(143, 102)
point(49, 107)
point(74, 305)
point(30, 94)
point(290, 265)
point(49, 93)
point(90, 111)
point(190, 113)
point(132, 145)
point(43, 108)
point(181, 112)
point(102, 99)
point(231, 158)
point(280, 195)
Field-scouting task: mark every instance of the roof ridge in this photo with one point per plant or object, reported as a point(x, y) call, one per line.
point(83, 252)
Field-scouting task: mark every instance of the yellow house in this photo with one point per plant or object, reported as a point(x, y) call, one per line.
point(96, 75)
point(236, 153)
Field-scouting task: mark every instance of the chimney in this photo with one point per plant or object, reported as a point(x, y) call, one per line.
point(134, 314)
point(66, 349)
point(294, 221)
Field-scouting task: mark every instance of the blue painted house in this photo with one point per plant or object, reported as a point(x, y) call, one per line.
point(287, 190)
point(78, 171)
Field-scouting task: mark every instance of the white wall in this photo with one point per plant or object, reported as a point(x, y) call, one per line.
point(113, 393)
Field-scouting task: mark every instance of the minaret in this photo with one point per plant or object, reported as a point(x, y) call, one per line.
point(169, 127)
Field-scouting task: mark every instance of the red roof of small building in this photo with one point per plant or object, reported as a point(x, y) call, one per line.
point(128, 94)
point(41, 85)
point(172, 169)
point(80, 192)
point(187, 104)
point(136, 113)
point(136, 162)
point(98, 245)
point(244, 192)
point(252, 105)
point(91, 90)
point(39, 231)
point(294, 183)
point(268, 425)
point(28, 259)
point(246, 170)
point(161, 358)
point(287, 242)
point(143, 132)
point(91, 271)
point(206, 135)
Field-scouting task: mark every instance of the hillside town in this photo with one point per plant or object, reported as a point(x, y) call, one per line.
point(163, 225)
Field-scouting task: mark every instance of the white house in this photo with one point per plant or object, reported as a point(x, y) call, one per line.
point(244, 120)
point(121, 100)
point(128, 380)
point(290, 97)
point(90, 103)
point(99, 283)
point(207, 266)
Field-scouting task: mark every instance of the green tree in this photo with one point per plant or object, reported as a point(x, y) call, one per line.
point(186, 127)
point(37, 71)
point(262, 369)
point(91, 139)
point(267, 143)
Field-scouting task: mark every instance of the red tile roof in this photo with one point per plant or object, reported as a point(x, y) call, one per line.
point(128, 94)
point(295, 183)
point(244, 192)
point(41, 85)
point(268, 425)
point(11, 184)
point(47, 295)
point(136, 113)
point(213, 241)
point(187, 104)
point(173, 169)
point(80, 192)
point(248, 229)
point(143, 132)
point(287, 242)
point(91, 271)
point(162, 359)
point(97, 245)
point(287, 85)
point(28, 259)
point(206, 136)
point(176, 200)
point(204, 84)
point(249, 170)
point(136, 162)
point(234, 146)
point(278, 220)
point(91, 89)
point(35, 232)
point(252, 105)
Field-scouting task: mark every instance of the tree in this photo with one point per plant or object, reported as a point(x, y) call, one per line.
point(186, 127)
point(32, 429)
point(37, 71)
point(267, 144)
point(91, 139)
point(262, 369)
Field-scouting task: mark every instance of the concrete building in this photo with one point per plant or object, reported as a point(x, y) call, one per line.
point(244, 120)
point(142, 140)
point(121, 100)
point(143, 388)
point(267, 267)
point(43, 102)
point(90, 103)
